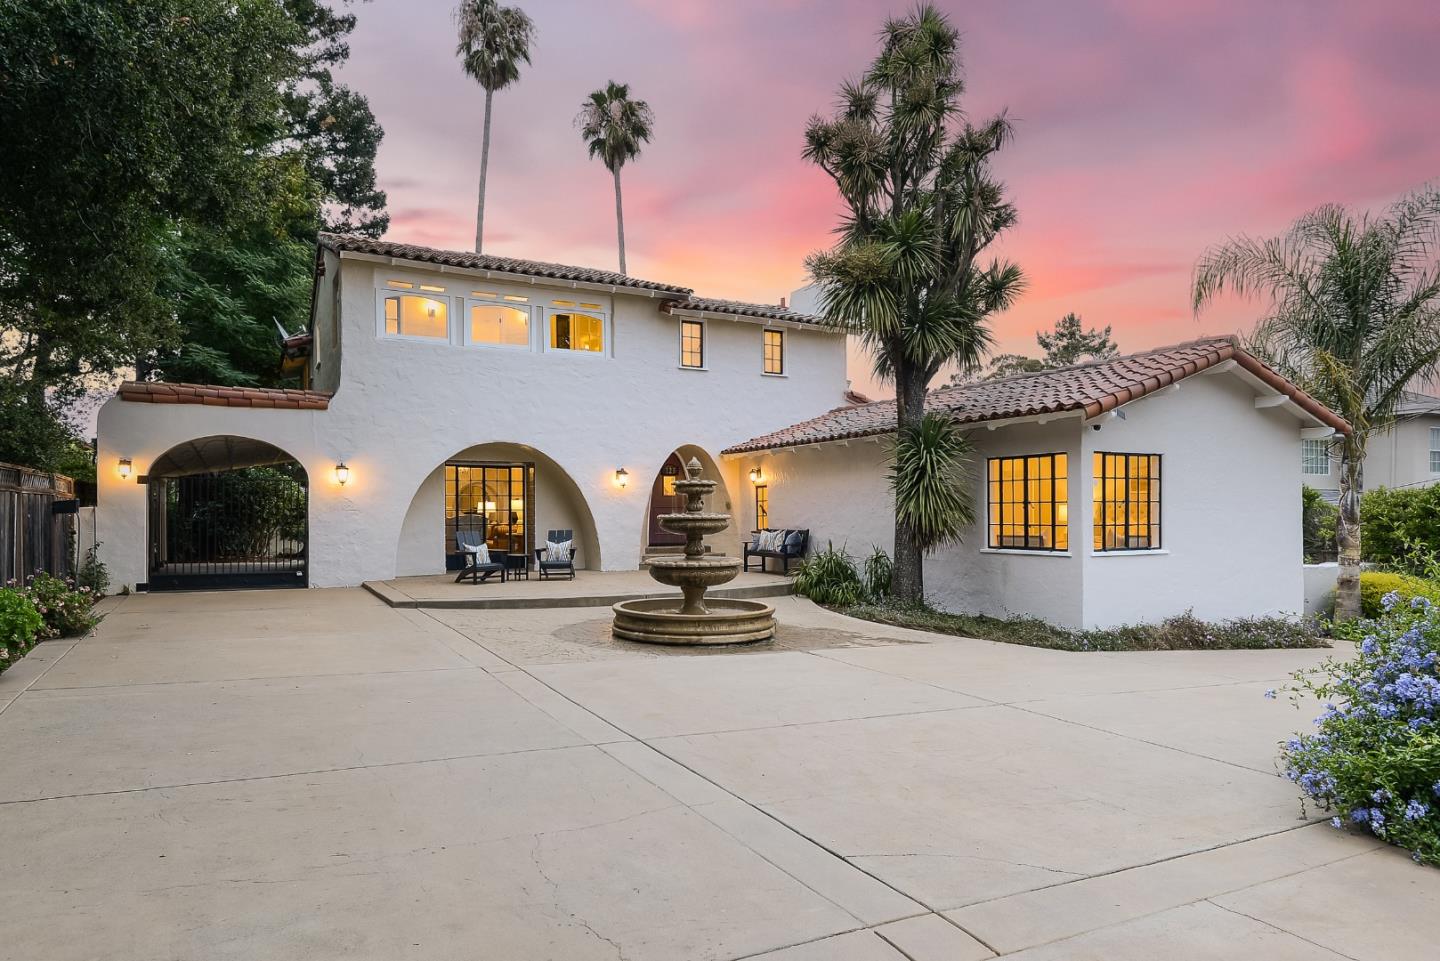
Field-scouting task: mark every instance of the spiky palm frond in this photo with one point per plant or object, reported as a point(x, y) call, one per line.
point(494, 41)
point(929, 480)
point(614, 126)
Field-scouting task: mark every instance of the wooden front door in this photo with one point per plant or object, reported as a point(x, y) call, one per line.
point(664, 500)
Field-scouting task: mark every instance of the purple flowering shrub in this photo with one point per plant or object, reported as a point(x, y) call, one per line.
point(65, 608)
point(1375, 756)
point(20, 623)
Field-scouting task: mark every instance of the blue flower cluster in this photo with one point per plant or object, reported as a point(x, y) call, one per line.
point(1375, 754)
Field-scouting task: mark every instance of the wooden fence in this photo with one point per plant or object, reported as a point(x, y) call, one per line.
point(37, 523)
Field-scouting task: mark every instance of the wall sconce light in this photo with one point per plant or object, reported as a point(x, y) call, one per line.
point(124, 467)
point(755, 475)
point(622, 478)
point(342, 473)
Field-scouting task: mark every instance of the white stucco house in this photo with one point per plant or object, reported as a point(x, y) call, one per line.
point(449, 392)
point(1406, 454)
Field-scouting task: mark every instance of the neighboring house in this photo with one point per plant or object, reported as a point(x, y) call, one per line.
point(1405, 455)
point(461, 392)
point(1117, 491)
point(500, 399)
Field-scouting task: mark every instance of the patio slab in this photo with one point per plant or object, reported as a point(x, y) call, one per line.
point(587, 589)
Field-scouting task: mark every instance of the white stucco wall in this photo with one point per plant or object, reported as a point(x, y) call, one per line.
point(1230, 514)
point(403, 407)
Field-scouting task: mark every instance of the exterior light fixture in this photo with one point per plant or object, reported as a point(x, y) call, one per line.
point(124, 467)
point(755, 475)
point(342, 473)
point(622, 478)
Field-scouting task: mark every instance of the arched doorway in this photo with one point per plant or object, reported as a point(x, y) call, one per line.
point(227, 512)
point(664, 500)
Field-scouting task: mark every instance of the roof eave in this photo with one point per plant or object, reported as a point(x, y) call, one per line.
point(534, 280)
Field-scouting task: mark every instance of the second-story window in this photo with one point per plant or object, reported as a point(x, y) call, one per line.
point(499, 325)
point(692, 343)
point(774, 351)
point(571, 330)
point(417, 315)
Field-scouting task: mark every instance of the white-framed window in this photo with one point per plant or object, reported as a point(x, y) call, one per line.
point(1435, 450)
point(493, 320)
point(576, 331)
point(1315, 456)
point(414, 311)
point(773, 341)
point(692, 344)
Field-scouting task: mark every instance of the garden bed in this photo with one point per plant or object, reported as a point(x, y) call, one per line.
point(1183, 632)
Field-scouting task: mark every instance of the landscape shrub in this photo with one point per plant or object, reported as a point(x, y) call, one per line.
point(20, 625)
point(1396, 523)
point(1318, 520)
point(94, 574)
point(1375, 585)
point(1375, 757)
point(65, 608)
point(829, 577)
point(879, 570)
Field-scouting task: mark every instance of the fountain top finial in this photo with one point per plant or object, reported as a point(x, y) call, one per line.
point(692, 469)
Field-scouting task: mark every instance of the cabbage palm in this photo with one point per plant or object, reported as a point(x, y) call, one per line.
point(493, 42)
point(1354, 318)
point(614, 127)
point(907, 276)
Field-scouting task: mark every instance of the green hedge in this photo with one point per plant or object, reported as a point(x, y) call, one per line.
point(1374, 585)
point(20, 624)
point(1395, 522)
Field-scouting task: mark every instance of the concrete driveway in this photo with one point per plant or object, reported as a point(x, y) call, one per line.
point(312, 774)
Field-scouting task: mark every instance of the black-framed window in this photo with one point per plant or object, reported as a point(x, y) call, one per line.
point(774, 351)
point(1029, 502)
point(491, 499)
point(762, 506)
point(692, 343)
point(1127, 501)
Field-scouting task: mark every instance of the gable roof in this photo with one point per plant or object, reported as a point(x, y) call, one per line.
point(1092, 389)
point(1415, 404)
point(700, 306)
point(354, 243)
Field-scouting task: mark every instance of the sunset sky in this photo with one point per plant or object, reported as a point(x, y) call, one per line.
point(1146, 131)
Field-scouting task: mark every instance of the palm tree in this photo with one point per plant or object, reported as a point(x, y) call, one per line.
point(1354, 318)
point(493, 42)
point(907, 276)
point(614, 127)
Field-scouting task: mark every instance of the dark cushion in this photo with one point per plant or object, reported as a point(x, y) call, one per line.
point(794, 541)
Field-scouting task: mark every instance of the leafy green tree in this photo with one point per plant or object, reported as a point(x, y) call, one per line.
point(1068, 343)
point(614, 127)
point(907, 276)
point(494, 40)
point(1353, 318)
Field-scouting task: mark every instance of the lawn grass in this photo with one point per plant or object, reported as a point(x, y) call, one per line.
point(1183, 632)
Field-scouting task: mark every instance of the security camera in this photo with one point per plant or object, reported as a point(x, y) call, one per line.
point(1094, 426)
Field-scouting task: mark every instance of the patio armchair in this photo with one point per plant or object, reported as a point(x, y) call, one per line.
point(469, 544)
point(556, 568)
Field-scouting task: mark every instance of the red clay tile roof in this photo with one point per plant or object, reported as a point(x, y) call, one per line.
point(711, 305)
point(262, 397)
point(1093, 388)
point(502, 265)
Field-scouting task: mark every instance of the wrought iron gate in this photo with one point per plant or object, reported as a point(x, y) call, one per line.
point(243, 527)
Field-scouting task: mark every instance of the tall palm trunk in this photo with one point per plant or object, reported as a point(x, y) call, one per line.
point(619, 220)
point(907, 581)
point(1347, 527)
point(484, 167)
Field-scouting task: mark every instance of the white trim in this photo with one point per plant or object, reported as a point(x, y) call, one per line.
point(530, 280)
point(527, 309)
point(1139, 551)
point(1032, 552)
point(384, 293)
point(680, 343)
point(606, 345)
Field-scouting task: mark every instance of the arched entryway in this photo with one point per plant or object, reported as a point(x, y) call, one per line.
point(509, 495)
point(227, 512)
point(664, 500)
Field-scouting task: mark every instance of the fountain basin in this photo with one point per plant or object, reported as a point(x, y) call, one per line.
point(657, 620)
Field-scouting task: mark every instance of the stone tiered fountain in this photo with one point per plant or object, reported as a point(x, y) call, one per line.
point(693, 619)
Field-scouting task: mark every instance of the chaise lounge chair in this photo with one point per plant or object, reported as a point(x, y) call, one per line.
point(469, 544)
point(549, 568)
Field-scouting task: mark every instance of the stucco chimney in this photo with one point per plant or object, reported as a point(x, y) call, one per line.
point(782, 303)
